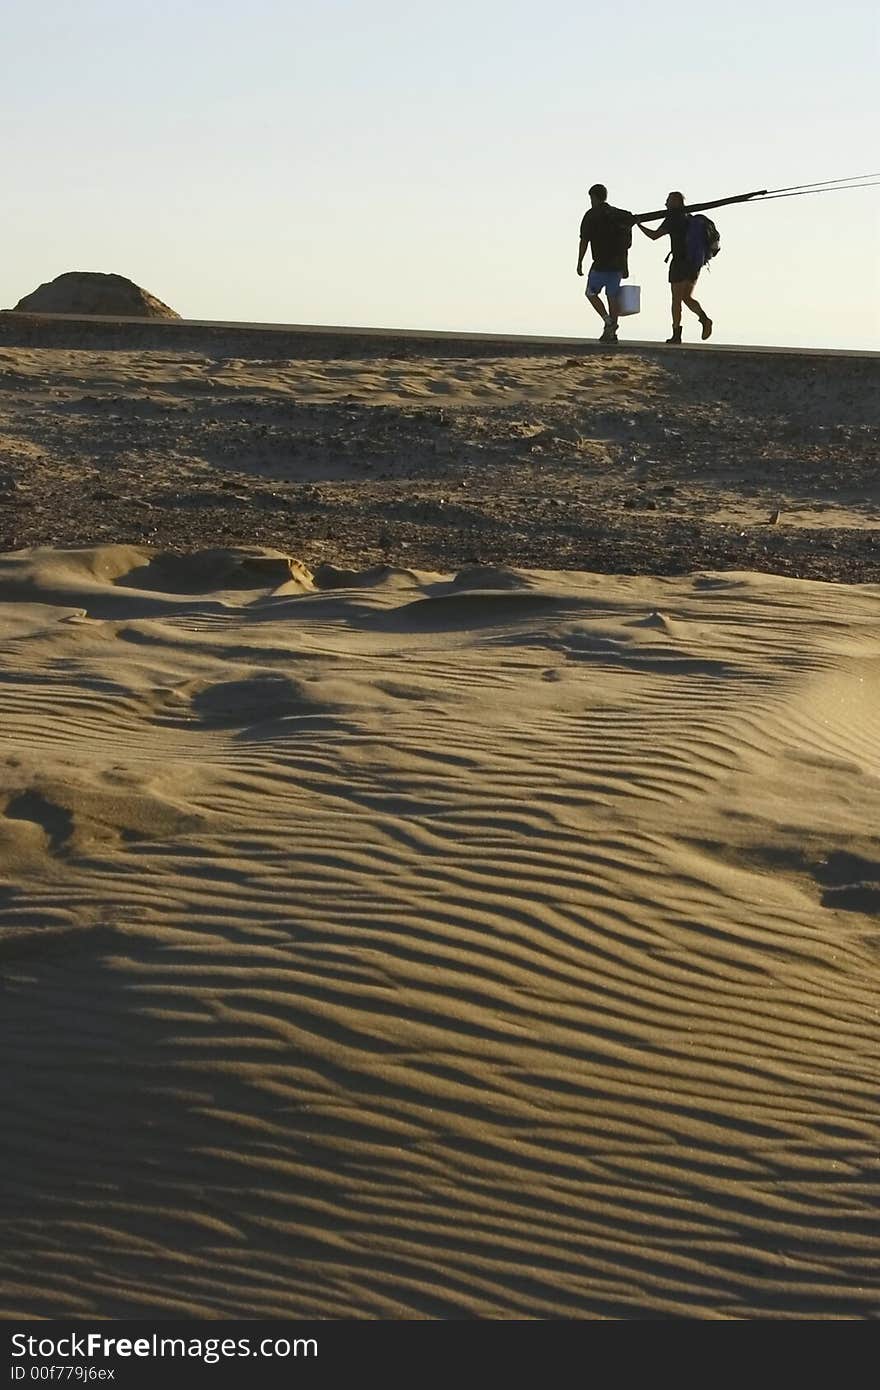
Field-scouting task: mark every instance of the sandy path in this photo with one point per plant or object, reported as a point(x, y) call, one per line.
point(637, 462)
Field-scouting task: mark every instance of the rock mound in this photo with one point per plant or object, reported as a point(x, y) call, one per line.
point(89, 292)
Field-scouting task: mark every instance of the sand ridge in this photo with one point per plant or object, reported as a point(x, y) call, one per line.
point(396, 943)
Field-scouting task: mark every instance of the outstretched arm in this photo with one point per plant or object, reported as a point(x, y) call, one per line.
point(653, 233)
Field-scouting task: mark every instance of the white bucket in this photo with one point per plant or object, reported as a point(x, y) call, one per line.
point(629, 299)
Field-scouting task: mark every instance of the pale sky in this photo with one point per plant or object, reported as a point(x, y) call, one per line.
point(392, 163)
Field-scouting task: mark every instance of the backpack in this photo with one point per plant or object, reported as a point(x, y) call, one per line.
point(623, 221)
point(703, 240)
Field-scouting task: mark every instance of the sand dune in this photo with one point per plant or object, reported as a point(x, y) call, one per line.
point(395, 944)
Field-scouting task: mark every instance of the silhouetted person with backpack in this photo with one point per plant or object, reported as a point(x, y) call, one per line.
point(688, 259)
point(609, 231)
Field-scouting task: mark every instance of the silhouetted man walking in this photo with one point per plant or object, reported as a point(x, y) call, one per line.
point(683, 274)
point(609, 231)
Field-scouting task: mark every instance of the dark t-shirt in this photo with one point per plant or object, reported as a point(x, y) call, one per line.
point(609, 232)
point(676, 223)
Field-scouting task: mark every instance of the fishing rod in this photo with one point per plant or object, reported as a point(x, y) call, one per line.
point(767, 194)
point(700, 207)
point(823, 183)
point(847, 189)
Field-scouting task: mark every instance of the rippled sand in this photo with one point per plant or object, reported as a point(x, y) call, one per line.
point(387, 944)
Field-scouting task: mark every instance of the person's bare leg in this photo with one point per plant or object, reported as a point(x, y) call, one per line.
point(676, 288)
point(697, 309)
point(610, 333)
point(598, 306)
